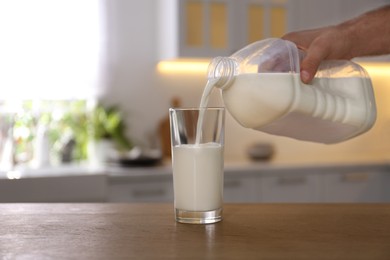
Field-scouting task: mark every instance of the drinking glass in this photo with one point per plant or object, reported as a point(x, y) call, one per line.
point(197, 139)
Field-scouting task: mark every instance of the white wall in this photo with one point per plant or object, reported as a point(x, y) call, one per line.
point(144, 96)
point(130, 75)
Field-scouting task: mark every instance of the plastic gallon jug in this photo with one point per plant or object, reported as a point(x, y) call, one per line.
point(262, 90)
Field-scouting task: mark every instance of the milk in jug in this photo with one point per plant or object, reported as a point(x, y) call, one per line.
point(262, 90)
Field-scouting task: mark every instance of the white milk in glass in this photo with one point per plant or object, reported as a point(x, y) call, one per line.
point(198, 171)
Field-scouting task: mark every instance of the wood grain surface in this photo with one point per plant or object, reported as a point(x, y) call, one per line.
point(148, 231)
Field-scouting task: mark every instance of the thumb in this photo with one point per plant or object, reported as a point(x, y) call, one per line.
point(309, 65)
point(309, 68)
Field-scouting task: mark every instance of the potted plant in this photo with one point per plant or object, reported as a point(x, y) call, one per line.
point(108, 132)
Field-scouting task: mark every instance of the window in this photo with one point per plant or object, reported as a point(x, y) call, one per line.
point(51, 56)
point(49, 49)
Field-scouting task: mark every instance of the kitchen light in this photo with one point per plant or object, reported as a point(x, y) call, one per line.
point(195, 66)
point(183, 66)
point(376, 68)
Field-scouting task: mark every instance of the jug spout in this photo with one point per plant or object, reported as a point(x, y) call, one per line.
point(222, 71)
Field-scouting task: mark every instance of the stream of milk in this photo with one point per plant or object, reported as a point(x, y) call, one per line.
point(202, 108)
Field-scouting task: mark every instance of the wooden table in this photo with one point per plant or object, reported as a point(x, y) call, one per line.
point(148, 231)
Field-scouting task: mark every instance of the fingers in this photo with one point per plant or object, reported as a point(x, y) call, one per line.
point(316, 53)
point(316, 47)
point(303, 38)
point(309, 67)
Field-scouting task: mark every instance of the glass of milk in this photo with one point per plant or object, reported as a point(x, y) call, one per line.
point(197, 137)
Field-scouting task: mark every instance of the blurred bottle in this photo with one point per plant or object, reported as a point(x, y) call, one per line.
point(164, 131)
point(7, 143)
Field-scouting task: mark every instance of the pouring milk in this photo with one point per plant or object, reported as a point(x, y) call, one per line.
point(262, 90)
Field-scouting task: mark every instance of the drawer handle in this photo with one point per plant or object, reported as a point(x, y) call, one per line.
point(355, 177)
point(292, 180)
point(148, 193)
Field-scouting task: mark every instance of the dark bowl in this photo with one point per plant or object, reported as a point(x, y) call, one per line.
point(139, 162)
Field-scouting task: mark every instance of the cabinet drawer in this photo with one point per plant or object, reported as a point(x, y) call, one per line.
point(241, 189)
point(355, 187)
point(141, 192)
point(293, 187)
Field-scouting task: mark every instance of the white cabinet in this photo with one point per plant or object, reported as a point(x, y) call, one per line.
point(151, 189)
point(309, 14)
point(355, 186)
point(195, 28)
point(203, 28)
point(322, 184)
point(332, 184)
point(148, 189)
point(327, 185)
point(290, 187)
point(238, 188)
point(70, 187)
point(209, 28)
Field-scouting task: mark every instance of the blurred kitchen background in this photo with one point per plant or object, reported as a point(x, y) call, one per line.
point(86, 87)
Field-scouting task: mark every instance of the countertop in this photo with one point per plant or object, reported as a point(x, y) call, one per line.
point(148, 231)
